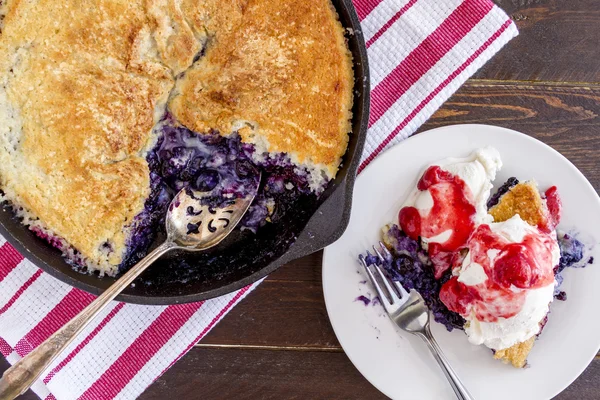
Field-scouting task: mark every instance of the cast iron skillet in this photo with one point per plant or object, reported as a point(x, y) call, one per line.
point(303, 228)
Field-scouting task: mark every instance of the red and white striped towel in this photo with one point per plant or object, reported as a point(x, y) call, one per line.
point(420, 52)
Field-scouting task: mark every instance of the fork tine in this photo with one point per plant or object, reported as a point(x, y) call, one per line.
point(362, 260)
point(381, 258)
point(385, 256)
point(383, 294)
point(386, 253)
point(394, 297)
point(398, 285)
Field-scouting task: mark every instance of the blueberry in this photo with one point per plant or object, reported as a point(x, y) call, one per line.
point(197, 164)
point(276, 184)
point(207, 180)
point(562, 296)
point(190, 171)
point(256, 215)
point(181, 156)
point(165, 154)
point(178, 185)
point(244, 169)
point(415, 272)
point(168, 170)
point(571, 251)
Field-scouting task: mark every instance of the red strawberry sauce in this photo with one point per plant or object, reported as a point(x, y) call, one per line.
point(554, 206)
point(453, 209)
point(516, 268)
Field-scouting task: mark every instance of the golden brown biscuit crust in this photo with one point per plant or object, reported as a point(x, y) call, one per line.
point(83, 83)
point(280, 73)
point(523, 199)
point(516, 354)
point(80, 96)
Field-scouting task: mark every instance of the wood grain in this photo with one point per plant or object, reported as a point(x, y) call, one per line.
point(565, 117)
point(301, 270)
point(558, 41)
point(586, 387)
point(265, 375)
point(278, 314)
point(277, 375)
point(259, 374)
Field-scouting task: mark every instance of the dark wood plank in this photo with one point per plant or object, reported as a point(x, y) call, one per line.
point(565, 117)
point(586, 387)
point(558, 41)
point(278, 314)
point(258, 374)
point(300, 270)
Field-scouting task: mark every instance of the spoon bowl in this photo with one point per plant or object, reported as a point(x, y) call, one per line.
point(194, 223)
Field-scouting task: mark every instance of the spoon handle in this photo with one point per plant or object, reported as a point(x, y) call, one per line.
point(18, 378)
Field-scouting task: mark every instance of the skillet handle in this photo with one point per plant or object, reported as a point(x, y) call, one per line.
point(18, 378)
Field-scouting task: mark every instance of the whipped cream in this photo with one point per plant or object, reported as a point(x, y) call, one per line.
point(505, 332)
point(478, 170)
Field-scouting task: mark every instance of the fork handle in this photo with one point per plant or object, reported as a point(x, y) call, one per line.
point(18, 378)
point(459, 389)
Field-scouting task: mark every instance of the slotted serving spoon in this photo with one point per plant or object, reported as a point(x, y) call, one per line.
point(191, 225)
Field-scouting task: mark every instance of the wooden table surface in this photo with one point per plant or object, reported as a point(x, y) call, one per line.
point(278, 343)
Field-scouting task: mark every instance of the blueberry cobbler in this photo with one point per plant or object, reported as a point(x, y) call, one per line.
point(108, 108)
point(490, 266)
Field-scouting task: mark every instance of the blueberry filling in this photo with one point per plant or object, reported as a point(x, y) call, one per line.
point(572, 253)
point(502, 190)
point(365, 300)
point(413, 269)
point(224, 165)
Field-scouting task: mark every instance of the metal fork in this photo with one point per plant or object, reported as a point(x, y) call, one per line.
point(409, 312)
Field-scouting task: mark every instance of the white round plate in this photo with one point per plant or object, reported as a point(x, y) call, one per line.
point(399, 364)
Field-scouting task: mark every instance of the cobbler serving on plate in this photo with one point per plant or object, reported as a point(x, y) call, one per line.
point(490, 266)
point(109, 108)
